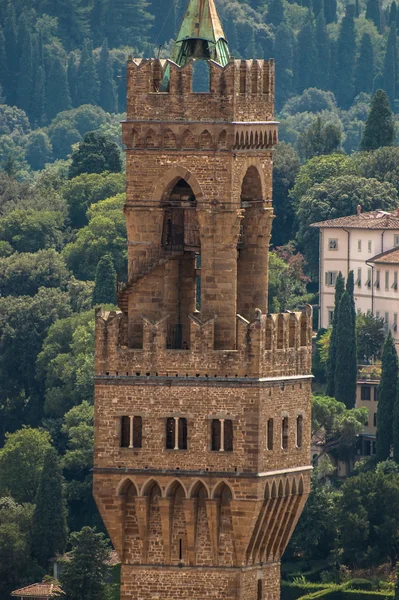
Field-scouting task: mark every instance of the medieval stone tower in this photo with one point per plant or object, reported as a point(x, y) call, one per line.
point(202, 426)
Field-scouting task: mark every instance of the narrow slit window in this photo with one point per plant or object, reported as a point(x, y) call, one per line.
point(299, 431)
point(137, 432)
point(260, 590)
point(182, 434)
point(269, 434)
point(228, 435)
point(215, 433)
point(170, 433)
point(125, 432)
point(284, 433)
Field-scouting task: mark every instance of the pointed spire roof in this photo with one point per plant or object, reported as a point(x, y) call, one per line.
point(201, 35)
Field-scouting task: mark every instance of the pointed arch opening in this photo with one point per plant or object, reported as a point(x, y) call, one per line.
point(224, 497)
point(131, 537)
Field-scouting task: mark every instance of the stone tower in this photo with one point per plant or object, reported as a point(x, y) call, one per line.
point(202, 398)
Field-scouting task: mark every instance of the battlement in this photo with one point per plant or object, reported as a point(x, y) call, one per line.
point(270, 346)
point(242, 91)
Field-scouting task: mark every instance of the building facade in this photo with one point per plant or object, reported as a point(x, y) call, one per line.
point(368, 244)
point(202, 398)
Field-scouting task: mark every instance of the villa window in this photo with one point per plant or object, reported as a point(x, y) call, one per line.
point(176, 433)
point(284, 433)
point(222, 435)
point(131, 432)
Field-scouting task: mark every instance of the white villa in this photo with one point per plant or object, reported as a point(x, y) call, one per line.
point(368, 244)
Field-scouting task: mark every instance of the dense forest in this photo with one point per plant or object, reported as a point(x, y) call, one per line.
point(63, 244)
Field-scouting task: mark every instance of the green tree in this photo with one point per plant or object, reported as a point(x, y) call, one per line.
point(317, 170)
point(387, 392)
point(95, 154)
point(88, 86)
point(390, 73)
point(338, 197)
point(12, 53)
point(393, 11)
point(21, 463)
point(108, 96)
point(275, 13)
point(285, 168)
point(332, 353)
point(58, 98)
point(346, 53)
point(105, 282)
point(373, 12)
point(345, 365)
point(306, 55)
point(319, 138)
point(370, 336)
point(49, 531)
point(323, 52)
point(365, 69)
point(25, 75)
point(38, 150)
point(350, 288)
point(3, 62)
point(30, 230)
point(85, 575)
point(38, 102)
point(23, 274)
point(330, 11)
point(284, 53)
point(380, 129)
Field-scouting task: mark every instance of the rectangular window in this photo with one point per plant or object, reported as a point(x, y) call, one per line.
point(284, 433)
point(176, 433)
point(359, 245)
point(375, 419)
point(377, 279)
point(369, 246)
point(330, 277)
point(125, 432)
point(396, 240)
point(131, 432)
point(228, 435)
point(395, 321)
point(330, 316)
point(365, 392)
point(215, 427)
point(170, 433)
point(395, 281)
point(376, 393)
point(359, 278)
point(137, 432)
point(332, 244)
point(387, 280)
point(222, 435)
point(269, 435)
point(299, 431)
point(368, 282)
point(367, 448)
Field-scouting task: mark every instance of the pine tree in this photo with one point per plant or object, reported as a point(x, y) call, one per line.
point(346, 52)
point(323, 52)
point(284, 53)
point(364, 72)
point(25, 75)
point(330, 11)
point(11, 45)
point(37, 110)
point(345, 343)
point(379, 129)
point(373, 13)
point(387, 393)
point(105, 286)
point(307, 55)
point(88, 85)
point(108, 98)
point(275, 13)
point(57, 91)
point(393, 13)
point(390, 73)
point(49, 529)
point(331, 362)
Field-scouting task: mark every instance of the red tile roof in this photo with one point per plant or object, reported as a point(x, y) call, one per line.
point(390, 257)
point(375, 219)
point(38, 590)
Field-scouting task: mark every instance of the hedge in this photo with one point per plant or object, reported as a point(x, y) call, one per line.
point(331, 591)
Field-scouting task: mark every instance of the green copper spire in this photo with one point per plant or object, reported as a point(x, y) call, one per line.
point(201, 35)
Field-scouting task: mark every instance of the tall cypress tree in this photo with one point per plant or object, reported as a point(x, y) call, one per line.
point(284, 53)
point(37, 110)
point(393, 13)
point(25, 75)
point(72, 76)
point(350, 288)
point(49, 528)
point(307, 55)
point(11, 44)
point(88, 85)
point(330, 11)
point(373, 13)
point(108, 97)
point(346, 52)
point(323, 52)
point(275, 13)
point(3, 62)
point(380, 129)
point(365, 69)
point(318, 7)
point(57, 92)
point(105, 285)
point(387, 394)
point(345, 362)
point(390, 73)
point(331, 362)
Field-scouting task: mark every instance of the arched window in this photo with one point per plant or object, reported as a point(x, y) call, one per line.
point(284, 433)
point(176, 433)
point(222, 435)
point(269, 434)
point(299, 431)
point(131, 432)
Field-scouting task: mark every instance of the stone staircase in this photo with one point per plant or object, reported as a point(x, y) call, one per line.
point(151, 258)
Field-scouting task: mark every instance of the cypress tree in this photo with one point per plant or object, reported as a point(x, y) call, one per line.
point(379, 129)
point(346, 52)
point(330, 11)
point(88, 85)
point(108, 98)
point(350, 288)
point(72, 76)
point(323, 52)
point(3, 62)
point(387, 393)
point(307, 55)
point(284, 53)
point(318, 7)
point(105, 285)
point(11, 45)
point(345, 361)
point(395, 430)
point(37, 111)
point(49, 529)
point(275, 13)
point(25, 75)
point(364, 73)
point(393, 13)
point(373, 13)
point(339, 290)
point(57, 92)
point(390, 73)
point(357, 9)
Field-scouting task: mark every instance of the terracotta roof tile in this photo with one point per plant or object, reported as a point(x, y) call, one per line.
point(41, 590)
point(390, 257)
point(375, 219)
